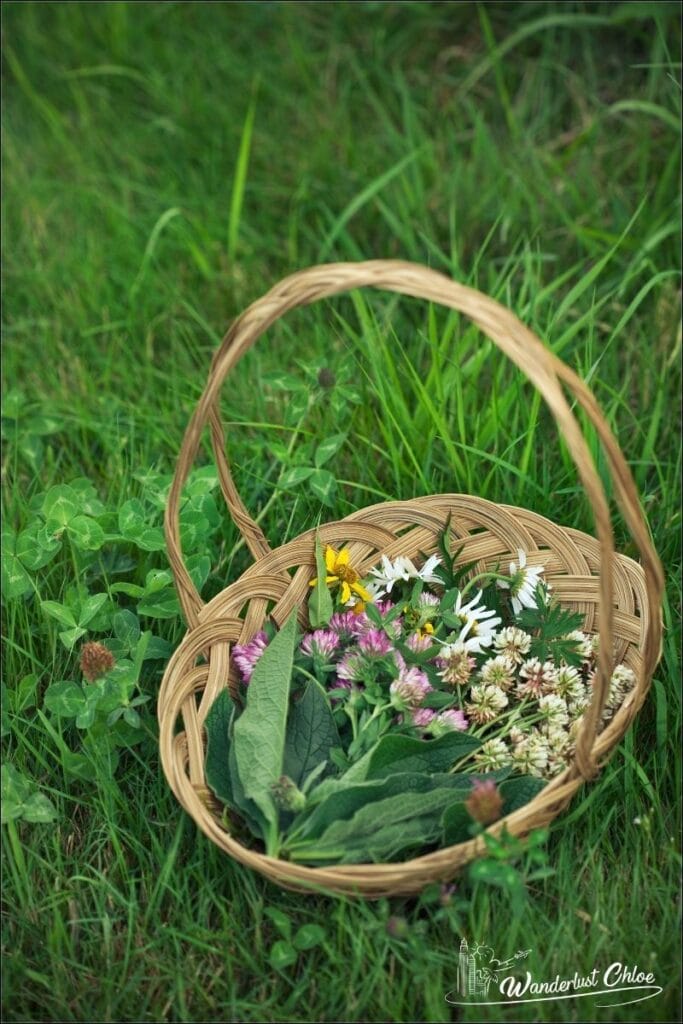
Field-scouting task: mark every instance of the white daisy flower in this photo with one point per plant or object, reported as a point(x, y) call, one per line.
point(402, 569)
point(426, 573)
point(479, 623)
point(523, 583)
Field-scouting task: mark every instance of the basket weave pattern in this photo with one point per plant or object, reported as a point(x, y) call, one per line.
point(616, 595)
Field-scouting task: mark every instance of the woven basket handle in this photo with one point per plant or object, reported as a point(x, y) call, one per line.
point(542, 368)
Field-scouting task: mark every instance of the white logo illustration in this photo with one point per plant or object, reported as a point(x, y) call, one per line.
point(490, 981)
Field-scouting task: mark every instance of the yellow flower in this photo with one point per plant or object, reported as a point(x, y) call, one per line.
point(341, 573)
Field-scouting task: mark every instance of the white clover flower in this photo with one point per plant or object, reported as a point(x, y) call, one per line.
point(536, 678)
point(577, 705)
point(493, 754)
point(455, 664)
point(622, 682)
point(514, 643)
point(486, 702)
point(530, 755)
point(523, 583)
point(568, 683)
point(518, 733)
point(499, 671)
point(583, 642)
point(554, 710)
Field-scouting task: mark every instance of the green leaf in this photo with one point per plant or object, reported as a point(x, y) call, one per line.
point(70, 636)
point(88, 502)
point(60, 506)
point(395, 753)
point(259, 732)
point(294, 475)
point(25, 694)
point(157, 648)
point(86, 533)
point(15, 580)
point(518, 791)
point(381, 830)
point(320, 605)
point(13, 404)
point(327, 448)
point(164, 605)
point(309, 936)
point(199, 567)
point(134, 526)
point(86, 716)
point(217, 764)
point(281, 922)
point(15, 789)
point(127, 588)
point(35, 548)
point(323, 485)
point(39, 809)
point(457, 823)
point(77, 765)
point(311, 733)
point(132, 718)
point(66, 699)
point(126, 628)
point(282, 955)
point(59, 612)
point(90, 607)
point(342, 802)
point(246, 807)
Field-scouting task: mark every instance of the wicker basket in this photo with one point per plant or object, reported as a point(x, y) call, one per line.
point(619, 597)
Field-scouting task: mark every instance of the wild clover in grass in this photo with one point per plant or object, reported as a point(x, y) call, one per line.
point(96, 660)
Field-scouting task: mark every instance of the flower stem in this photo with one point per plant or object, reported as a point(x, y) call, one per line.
point(483, 576)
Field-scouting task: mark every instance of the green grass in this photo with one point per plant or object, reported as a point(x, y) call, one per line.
point(164, 164)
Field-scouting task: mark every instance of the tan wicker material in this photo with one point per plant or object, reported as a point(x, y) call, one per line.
point(619, 597)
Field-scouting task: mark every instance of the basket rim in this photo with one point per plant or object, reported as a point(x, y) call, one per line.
point(256, 567)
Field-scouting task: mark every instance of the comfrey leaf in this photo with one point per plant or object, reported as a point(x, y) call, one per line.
point(396, 753)
point(217, 727)
point(380, 830)
point(320, 606)
point(259, 732)
point(342, 803)
point(311, 733)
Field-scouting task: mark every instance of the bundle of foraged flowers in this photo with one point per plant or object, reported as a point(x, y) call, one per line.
point(422, 703)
